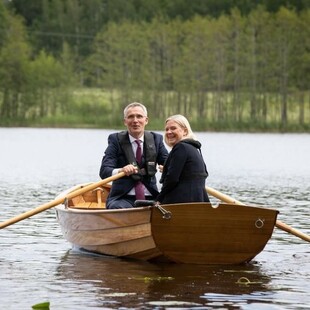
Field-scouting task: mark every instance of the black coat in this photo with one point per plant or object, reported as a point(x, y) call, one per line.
point(184, 174)
point(114, 157)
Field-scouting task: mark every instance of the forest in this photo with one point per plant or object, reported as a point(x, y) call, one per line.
point(227, 65)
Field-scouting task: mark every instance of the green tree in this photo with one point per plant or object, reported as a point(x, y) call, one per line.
point(258, 63)
point(301, 63)
point(14, 68)
point(286, 38)
point(48, 86)
point(3, 24)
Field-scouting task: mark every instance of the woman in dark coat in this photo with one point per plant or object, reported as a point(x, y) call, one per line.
point(184, 173)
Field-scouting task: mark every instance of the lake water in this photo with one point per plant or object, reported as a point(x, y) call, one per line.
point(38, 265)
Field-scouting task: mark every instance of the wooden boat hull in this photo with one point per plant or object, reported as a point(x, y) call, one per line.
point(123, 232)
point(198, 233)
point(195, 233)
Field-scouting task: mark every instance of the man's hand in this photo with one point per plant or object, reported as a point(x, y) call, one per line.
point(129, 170)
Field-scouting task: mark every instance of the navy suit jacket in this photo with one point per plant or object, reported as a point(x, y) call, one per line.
point(184, 174)
point(114, 157)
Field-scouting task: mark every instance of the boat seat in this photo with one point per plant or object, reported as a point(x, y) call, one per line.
point(88, 205)
point(80, 203)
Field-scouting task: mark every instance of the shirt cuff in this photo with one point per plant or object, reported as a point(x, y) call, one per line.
point(116, 171)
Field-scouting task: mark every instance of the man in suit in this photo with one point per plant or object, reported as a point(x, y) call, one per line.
point(135, 152)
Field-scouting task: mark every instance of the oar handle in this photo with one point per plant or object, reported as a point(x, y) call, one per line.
point(279, 224)
point(60, 200)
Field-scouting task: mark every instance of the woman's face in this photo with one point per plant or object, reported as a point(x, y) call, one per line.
point(174, 132)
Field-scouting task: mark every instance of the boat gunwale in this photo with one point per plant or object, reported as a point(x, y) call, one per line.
point(63, 208)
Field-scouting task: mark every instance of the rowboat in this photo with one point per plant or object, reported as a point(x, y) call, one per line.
point(88, 225)
point(187, 233)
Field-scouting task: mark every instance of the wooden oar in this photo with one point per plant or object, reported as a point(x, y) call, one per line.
point(59, 200)
point(279, 224)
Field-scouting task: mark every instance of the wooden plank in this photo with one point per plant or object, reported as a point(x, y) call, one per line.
point(84, 220)
point(142, 248)
point(199, 233)
point(107, 236)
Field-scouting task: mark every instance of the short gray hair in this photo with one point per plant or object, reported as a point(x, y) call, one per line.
point(135, 104)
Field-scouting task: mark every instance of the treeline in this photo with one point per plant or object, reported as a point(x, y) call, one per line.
point(51, 23)
point(235, 68)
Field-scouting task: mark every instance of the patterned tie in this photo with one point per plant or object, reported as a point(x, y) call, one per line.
point(139, 187)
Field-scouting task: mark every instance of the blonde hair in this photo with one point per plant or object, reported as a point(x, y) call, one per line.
point(184, 123)
point(135, 104)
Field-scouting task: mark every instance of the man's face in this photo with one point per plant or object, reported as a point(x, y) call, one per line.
point(135, 121)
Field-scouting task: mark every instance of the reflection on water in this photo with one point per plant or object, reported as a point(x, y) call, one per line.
point(136, 284)
point(37, 265)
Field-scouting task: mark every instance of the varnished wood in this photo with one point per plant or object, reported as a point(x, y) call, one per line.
point(121, 232)
point(279, 224)
point(197, 233)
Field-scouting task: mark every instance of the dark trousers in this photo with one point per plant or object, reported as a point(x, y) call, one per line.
point(125, 202)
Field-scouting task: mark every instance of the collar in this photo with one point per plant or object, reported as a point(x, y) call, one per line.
point(132, 139)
